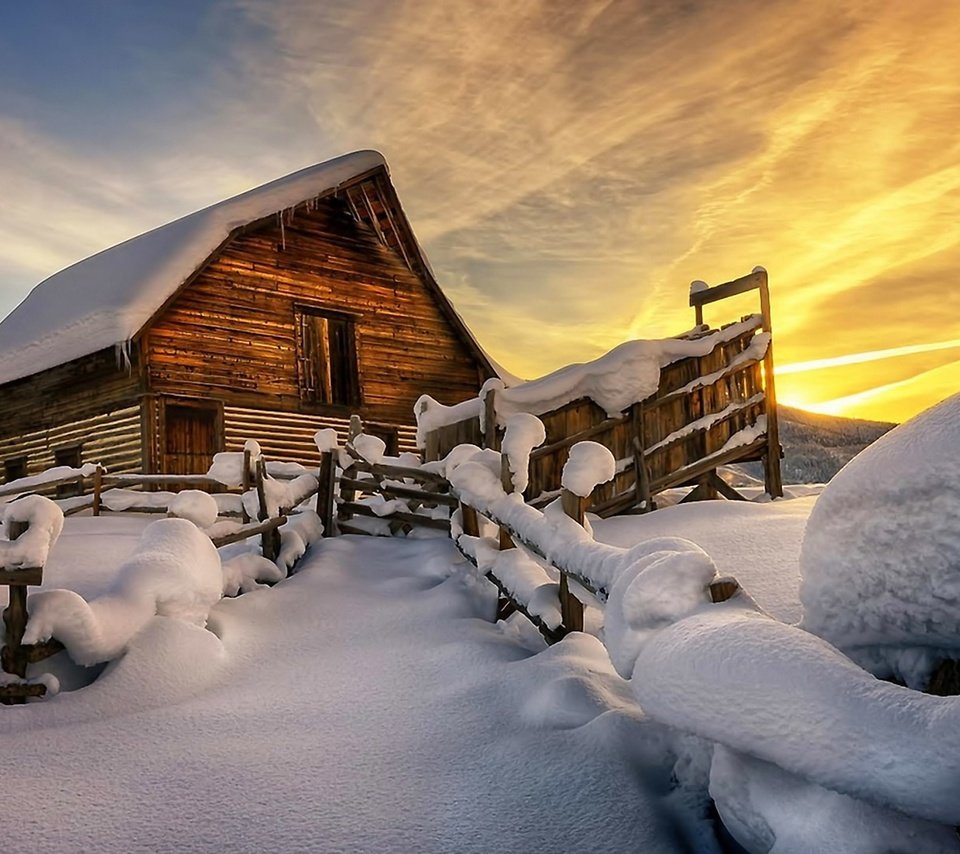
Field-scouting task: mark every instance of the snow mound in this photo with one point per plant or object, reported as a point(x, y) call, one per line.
point(174, 572)
point(524, 433)
point(770, 810)
point(196, 506)
point(45, 522)
point(880, 560)
point(733, 675)
point(588, 465)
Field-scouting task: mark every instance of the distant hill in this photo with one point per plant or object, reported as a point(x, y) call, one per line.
point(816, 447)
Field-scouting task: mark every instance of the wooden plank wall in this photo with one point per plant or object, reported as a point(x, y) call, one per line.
point(68, 393)
point(656, 422)
point(230, 334)
point(112, 439)
point(289, 436)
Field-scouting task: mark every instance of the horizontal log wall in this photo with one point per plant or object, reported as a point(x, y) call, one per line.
point(230, 334)
point(112, 439)
point(289, 436)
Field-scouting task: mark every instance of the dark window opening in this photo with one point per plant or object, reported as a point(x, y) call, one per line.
point(14, 468)
point(327, 358)
point(71, 456)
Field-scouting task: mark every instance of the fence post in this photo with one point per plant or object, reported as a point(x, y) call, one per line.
point(326, 477)
point(490, 421)
point(571, 608)
point(506, 481)
point(244, 485)
point(269, 540)
point(97, 489)
point(773, 480)
point(15, 618)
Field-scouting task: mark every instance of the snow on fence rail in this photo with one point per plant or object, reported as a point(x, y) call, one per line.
point(670, 411)
point(545, 563)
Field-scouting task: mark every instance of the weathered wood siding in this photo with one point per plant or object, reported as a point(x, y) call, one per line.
point(289, 436)
point(231, 335)
point(727, 392)
point(112, 438)
point(74, 403)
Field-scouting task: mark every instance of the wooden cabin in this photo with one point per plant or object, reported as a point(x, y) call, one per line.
point(267, 316)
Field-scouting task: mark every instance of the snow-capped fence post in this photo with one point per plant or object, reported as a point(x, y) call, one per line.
point(270, 538)
point(15, 656)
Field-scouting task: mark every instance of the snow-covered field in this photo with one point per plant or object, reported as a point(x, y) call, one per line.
point(370, 703)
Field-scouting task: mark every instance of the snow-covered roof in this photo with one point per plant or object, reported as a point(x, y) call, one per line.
point(106, 299)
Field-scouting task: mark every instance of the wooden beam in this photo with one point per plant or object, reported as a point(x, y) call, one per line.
point(750, 282)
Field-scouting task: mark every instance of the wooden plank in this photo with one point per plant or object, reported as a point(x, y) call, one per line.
point(750, 282)
point(389, 490)
point(17, 693)
point(580, 436)
point(359, 509)
point(248, 531)
point(26, 577)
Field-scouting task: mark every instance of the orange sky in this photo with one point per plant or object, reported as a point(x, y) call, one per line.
point(570, 168)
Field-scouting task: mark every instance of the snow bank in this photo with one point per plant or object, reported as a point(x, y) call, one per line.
point(731, 674)
point(174, 572)
point(45, 520)
point(881, 554)
point(104, 300)
point(770, 810)
point(588, 465)
point(248, 571)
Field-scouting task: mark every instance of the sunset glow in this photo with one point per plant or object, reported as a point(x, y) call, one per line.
point(569, 168)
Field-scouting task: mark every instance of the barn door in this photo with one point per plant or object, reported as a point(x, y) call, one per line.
point(192, 435)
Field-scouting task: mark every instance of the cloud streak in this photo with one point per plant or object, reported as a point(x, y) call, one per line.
point(571, 167)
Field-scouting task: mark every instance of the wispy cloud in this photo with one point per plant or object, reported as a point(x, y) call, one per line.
point(571, 167)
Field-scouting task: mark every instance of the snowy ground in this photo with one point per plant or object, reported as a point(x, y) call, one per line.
point(368, 703)
point(364, 704)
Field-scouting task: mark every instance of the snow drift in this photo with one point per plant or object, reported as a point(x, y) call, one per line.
point(880, 558)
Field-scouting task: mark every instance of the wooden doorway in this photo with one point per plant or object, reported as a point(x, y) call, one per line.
point(192, 432)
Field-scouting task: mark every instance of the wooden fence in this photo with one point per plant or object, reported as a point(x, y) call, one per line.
point(574, 567)
point(678, 436)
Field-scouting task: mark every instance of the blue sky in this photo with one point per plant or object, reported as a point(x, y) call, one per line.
point(570, 168)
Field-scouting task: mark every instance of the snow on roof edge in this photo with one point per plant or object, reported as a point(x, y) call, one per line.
point(105, 299)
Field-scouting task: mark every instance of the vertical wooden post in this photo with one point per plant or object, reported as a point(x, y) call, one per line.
point(641, 474)
point(431, 452)
point(469, 520)
point(326, 477)
point(571, 608)
point(261, 491)
point(772, 475)
point(490, 437)
point(97, 490)
point(15, 618)
point(245, 485)
point(506, 481)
